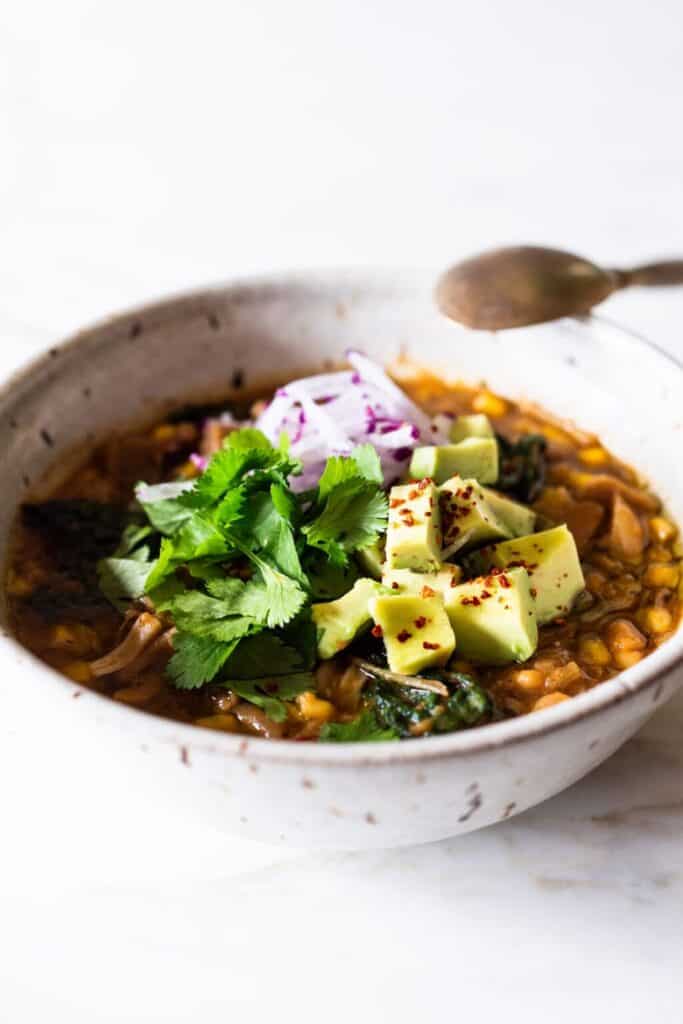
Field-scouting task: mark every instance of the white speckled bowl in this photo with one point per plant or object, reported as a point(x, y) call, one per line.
point(134, 366)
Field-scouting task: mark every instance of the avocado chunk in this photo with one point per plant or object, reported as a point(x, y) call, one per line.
point(474, 425)
point(475, 457)
point(339, 622)
point(414, 530)
point(467, 517)
point(416, 630)
point(494, 618)
point(371, 559)
point(552, 563)
point(422, 584)
point(519, 519)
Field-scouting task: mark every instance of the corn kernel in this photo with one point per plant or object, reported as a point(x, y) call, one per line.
point(659, 574)
point(594, 456)
point(657, 620)
point(530, 680)
point(18, 586)
point(625, 659)
point(549, 700)
point(223, 722)
point(658, 553)
point(313, 707)
point(554, 434)
point(489, 404)
point(164, 432)
point(662, 530)
point(593, 651)
point(186, 471)
point(79, 671)
point(77, 638)
point(623, 635)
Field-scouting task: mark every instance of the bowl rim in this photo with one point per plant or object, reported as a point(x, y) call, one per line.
point(186, 737)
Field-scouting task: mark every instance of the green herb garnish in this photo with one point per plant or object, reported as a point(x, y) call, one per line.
point(365, 728)
point(235, 558)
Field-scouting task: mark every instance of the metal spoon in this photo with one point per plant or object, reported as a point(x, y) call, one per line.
point(527, 284)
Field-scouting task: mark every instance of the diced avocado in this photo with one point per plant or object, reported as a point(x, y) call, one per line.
point(417, 633)
point(371, 559)
point(467, 517)
point(405, 581)
point(474, 425)
point(414, 530)
point(494, 618)
point(552, 562)
point(339, 622)
point(475, 457)
point(519, 519)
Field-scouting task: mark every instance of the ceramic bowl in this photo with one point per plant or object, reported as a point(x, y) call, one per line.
point(135, 366)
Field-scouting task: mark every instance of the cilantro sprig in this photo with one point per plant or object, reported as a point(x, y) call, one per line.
point(236, 557)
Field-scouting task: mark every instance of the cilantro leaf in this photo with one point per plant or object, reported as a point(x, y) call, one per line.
point(271, 694)
point(302, 634)
point(273, 531)
point(354, 516)
point(225, 470)
point(264, 655)
point(327, 580)
point(197, 660)
point(368, 464)
point(231, 507)
point(122, 580)
point(275, 598)
point(199, 537)
point(363, 464)
point(248, 437)
point(363, 729)
point(162, 507)
point(163, 566)
point(132, 536)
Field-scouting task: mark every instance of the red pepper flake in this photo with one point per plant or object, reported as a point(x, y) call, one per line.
point(408, 519)
point(533, 592)
point(427, 592)
point(428, 513)
point(394, 585)
point(485, 594)
point(403, 636)
point(396, 502)
point(420, 622)
point(430, 647)
point(424, 483)
point(474, 600)
point(412, 495)
point(377, 631)
point(454, 581)
point(505, 581)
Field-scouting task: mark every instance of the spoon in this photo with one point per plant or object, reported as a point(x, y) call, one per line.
point(527, 284)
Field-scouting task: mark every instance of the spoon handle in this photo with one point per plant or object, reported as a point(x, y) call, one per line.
point(668, 272)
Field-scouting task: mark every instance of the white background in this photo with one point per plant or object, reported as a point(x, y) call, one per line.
point(148, 147)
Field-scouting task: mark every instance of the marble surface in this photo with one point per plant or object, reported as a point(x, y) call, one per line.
point(146, 149)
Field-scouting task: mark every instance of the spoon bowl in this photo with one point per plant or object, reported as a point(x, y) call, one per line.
point(522, 285)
